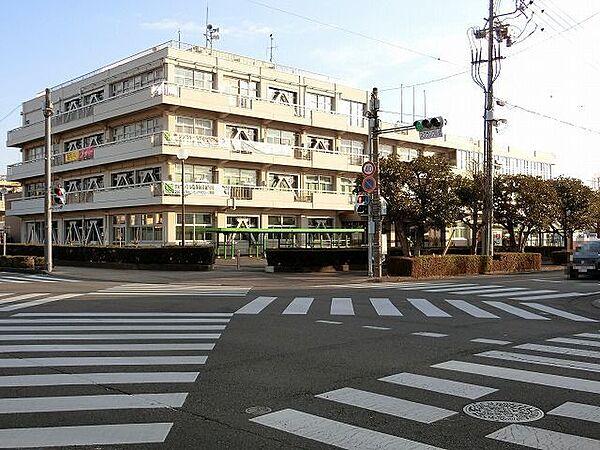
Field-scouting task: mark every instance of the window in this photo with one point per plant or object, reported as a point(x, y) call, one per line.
point(283, 181)
point(194, 173)
point(277, 95)
point(84, 142)
point(33, 154)
point(319, 101)
point(93, 183)
point(320, 222)
point(150, 175)
point(281, 137)
point(347, 185)
point(246, 88)
point(195, 224)
point(239, 177)
point(355, 150)
point(385, 150)
point(282, 222)
point(320, 143)
point(193, 77)
point(354, 111)
point(319, 183)
point(73, 185)
point(242, 132)
point(194, 125)
point(73, 231)
point(93, 97)
point(119, 229)
point(93, 231)
point(135, 129)
point(137, 81)
point(121, 179)
point(35, 189)
point(146, 227)
point(407, 154)
point(72, 104)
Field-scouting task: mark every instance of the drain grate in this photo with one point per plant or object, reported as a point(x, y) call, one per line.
point(507, 412)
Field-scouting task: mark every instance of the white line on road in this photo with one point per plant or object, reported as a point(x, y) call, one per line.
point(490, 341)
point(426, 286)
point(331, 432)
point(158, 314)
point(23, 297)
point(472, 310)
point(546, 280)
point(514, 294)
point(550, 296)
point(441, 385)
point(558, 312)
point(580, 411)
point(589, 335)
point(328, 322)
point(559, 350)
point(464, 287)
point(384, 307)
point(127, 433)
point(515, 311)
point(90, 402)
point(397, 407)
point(575, 341)
point(373, 327)
point(68, 379)
point(542, 439)
point(114, 328)
point(541, 360)
point(341, 306)
point(429, 334)
point(145, 347)
point(102, 337)
point(38, 302)
point(103, 361)
point(299, 306)
point(256, 305)
point(524, 376)
point(427, 308)
point(498, 290)
point(132, 321)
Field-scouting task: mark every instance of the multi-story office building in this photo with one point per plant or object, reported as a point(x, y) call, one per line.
point(267, 146)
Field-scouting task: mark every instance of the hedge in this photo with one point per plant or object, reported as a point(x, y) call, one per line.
point(22, 262)
point(316, 260)
point(167, 258)
point(449, 265)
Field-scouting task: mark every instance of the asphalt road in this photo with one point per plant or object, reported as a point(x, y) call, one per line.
point(298, 362)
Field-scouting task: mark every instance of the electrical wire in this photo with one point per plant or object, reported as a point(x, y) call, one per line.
point(423, 83)
point(10, 113)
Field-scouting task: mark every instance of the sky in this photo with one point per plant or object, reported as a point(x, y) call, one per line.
point(383, 43)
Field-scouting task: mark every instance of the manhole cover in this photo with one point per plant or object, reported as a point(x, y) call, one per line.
point(509, 412)
point(258, 410)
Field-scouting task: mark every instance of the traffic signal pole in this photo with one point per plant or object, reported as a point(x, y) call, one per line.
point(48, 201)
point(375, 209)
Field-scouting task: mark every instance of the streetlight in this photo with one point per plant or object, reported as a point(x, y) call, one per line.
point(182, 156)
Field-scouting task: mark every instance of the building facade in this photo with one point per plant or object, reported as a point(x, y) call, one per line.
point(265, 146)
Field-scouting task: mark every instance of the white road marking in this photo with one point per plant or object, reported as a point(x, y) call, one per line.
point(103, 361)
point(300, 305)
point(341, 306)
point(575, 341)
point(427, 286)
point(337, 434)
point(524, 376)
point(542, 439)
point(256, 305)
point(427, 308)
point(490, 341)
point(329, 322)
point(429, 334)
point(464, 287)
point(23, 297)
point(559, 350)
point(558, 312)
point(514, 294)
point(441, 385)
point(45, 277)
point(111, 320)
point(579, 411)
point(67, 379)
point(145, 347)
point(472, 310)
point(373, 327)
point(114, 328)
point(101, 337)
point(384, 307)
point(589, 335)
point(39, 302)
point(498, 290)
point(541, 360)
point(515, 311)
point(158, 314)
point(13, 279)
point(90, 402)
point(545, 280)
point(126, 433)
point(397, 407)
point(550, 296)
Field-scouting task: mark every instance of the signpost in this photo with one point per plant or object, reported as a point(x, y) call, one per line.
point(369, 168)
point(369, 184)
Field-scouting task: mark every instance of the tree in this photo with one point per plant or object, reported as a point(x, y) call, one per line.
point(521, 207)
point(419, 194)
point(571, 205)
point(594, 219)
point(470, 193)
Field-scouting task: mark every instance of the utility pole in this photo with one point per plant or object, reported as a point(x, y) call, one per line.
point(48, 111)
point(374, 225)
point(271, 47)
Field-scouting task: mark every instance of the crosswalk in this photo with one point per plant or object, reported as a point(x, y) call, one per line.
point(482, 376)
point(12, 302)
point(23, 278)
point(414, 307)
point(139, 366)
point(157, 289)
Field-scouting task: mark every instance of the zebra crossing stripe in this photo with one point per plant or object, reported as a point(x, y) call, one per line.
point(300, 305)
point(256, 305)
point(38, 302)
point(457, 287)
point(427, 308)
point(425, 286)
point(341, 306)
point(580, 411)
point(428, 334)
point(373, 327)
point(575, 341)
point(384, 307)
point(542, 439)
point(102, 337)
point(145, 347)
point(103, 361)
point(12, 280)
point(5, 294)
point(43, 277)
point(115, 321)
point(524, 376)
point(515, 311)
point(559, 350)
point(589, 335)
point(514, 294)
point(550, 296)
point(90, 403)
point(488, 290)
point(22, 297)
point(541, 360)
point(126, 433)
point(490, 341)
point(331, 432)
point(115, 328)
point(71, 379)
point(441, 385)
point(161, 314)
point(384, 404)
point(558, 312)
point(472, 310)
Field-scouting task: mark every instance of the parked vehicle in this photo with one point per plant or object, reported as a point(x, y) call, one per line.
point(585, 260)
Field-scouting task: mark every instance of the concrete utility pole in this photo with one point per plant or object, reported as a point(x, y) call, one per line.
point(374, 225)
point(48, 111)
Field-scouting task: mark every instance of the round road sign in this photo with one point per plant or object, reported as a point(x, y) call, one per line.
point(369, 184)
point(368, 168)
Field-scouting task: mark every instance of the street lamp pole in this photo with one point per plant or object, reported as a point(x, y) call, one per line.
point(182, 155)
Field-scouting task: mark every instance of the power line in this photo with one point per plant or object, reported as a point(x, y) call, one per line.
point(422, 83)
point(10, 113)
point(355, 33)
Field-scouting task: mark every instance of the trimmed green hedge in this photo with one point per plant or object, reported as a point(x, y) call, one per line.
point(449, 265)
point(162, 258)
point(316, 260)
point(22, 262)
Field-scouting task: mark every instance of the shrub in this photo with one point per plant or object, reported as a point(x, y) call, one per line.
point(516, 262)
point(22, 262)
point(561, 257)
point(316, 260)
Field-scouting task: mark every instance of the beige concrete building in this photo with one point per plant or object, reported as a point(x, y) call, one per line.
point(267, 146)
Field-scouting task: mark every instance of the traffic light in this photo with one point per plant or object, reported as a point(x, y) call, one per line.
point(362, 204)
point(429, 124)
point(58, 196)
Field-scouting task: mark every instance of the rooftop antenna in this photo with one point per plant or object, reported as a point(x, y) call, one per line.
point(179, 38)
point(212, 34)
point(206, 25)
point(271, 47)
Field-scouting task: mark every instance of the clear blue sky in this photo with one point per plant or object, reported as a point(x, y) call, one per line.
point(44, 43)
